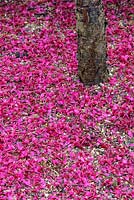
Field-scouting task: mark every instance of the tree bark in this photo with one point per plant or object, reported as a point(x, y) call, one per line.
point(91, 27)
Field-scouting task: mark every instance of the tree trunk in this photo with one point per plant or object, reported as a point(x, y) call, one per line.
point(91, 27)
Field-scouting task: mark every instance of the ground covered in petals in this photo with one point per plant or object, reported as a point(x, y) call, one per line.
point(58, 138)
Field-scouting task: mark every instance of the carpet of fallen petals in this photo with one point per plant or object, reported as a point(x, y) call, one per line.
point(59, 139)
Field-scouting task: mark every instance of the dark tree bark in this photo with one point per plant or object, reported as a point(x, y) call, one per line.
point(91, 27)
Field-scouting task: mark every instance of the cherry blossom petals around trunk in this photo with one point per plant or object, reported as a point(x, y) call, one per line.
point(59, 139)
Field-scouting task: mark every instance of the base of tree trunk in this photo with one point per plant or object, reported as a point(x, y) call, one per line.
point(91, 26)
